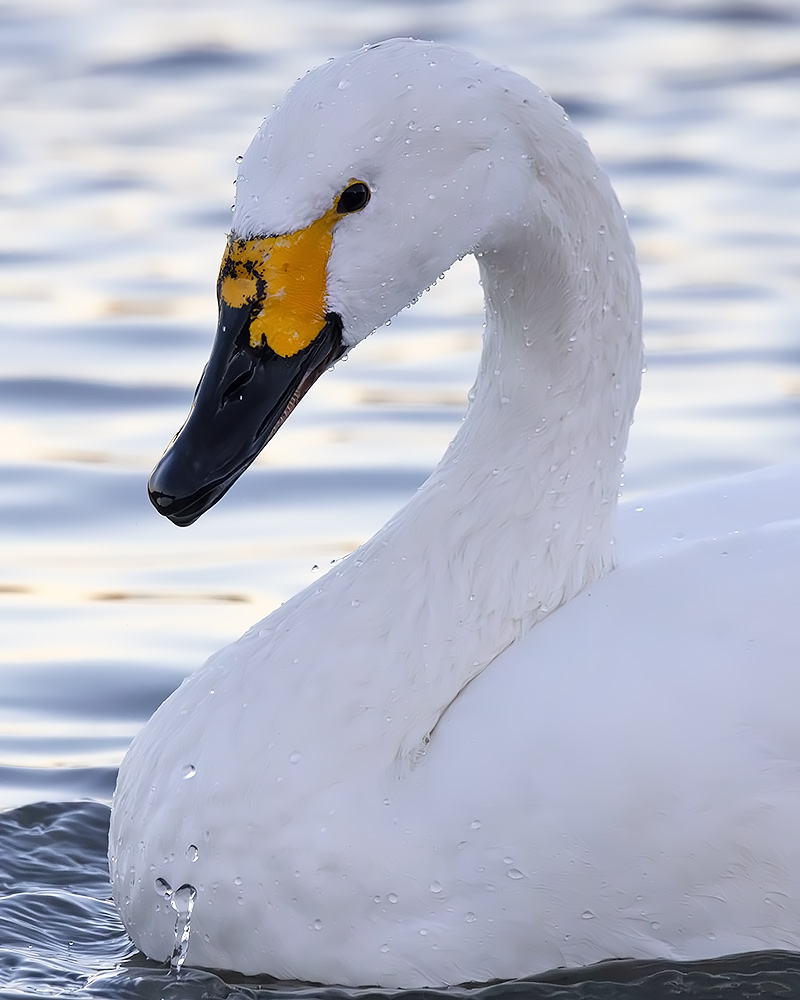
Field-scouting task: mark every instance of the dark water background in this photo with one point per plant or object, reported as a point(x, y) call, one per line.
point(121, 122)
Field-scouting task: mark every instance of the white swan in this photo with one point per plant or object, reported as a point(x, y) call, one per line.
point(396, 778)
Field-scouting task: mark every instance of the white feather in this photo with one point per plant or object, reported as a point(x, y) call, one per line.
point(418, 771)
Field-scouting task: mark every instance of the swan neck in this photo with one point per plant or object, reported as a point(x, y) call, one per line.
point(544, 439)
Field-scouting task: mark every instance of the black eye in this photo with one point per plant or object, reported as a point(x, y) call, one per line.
point(353, 198)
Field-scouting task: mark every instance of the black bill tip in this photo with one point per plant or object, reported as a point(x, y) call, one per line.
point(244, 396)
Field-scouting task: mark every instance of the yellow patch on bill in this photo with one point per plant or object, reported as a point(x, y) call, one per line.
point(286, 277)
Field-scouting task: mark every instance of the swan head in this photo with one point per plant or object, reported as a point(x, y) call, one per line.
point(374, 173)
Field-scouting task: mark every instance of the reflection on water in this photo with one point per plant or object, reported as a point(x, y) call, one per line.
point(122, 125)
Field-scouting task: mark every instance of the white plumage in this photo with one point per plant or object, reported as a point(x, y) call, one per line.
point(418, 771)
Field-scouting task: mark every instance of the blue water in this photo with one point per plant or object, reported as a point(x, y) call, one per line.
point(121, 125)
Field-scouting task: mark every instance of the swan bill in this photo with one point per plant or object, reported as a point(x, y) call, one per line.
point(246, 392)
point(275, 337)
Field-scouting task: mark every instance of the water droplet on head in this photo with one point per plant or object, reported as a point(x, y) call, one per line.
point(475, 824)
point(436, 887)
point(470, 917)
point(317, 925)
point(188, 771)
point(192, 854)
point(515, 873)
point(392, 897)
point(384, 948)
point(587, 915)
point(295, 757)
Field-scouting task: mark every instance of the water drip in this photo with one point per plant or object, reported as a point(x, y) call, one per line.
point(182, 902)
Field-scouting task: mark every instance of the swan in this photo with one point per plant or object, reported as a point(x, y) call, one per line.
point(470, 751)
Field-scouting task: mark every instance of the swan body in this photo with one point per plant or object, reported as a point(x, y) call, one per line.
point(470, 751)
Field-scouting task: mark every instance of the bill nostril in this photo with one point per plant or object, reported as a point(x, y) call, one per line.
point(233, 392)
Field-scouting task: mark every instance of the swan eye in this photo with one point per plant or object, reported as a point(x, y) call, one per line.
point(353, 198)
